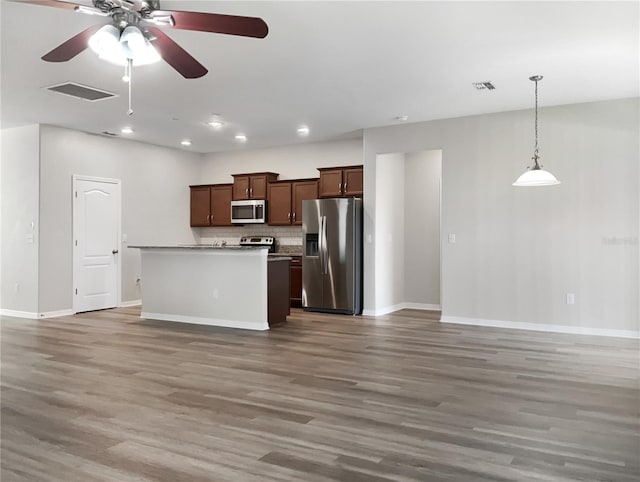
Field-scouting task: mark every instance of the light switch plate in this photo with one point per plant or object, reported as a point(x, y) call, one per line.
point(452, 238)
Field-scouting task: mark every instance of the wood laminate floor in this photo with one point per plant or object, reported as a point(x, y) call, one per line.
point(105, 396)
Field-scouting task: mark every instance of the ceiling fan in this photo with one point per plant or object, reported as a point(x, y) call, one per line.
point(134, 29)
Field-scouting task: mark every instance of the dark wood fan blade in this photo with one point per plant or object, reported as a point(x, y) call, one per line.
point(176, 56)
point(51, 3)
point(72, 47)
point(217, 23)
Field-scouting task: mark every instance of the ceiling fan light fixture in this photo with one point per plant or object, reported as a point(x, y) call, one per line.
point(105, 42)
point(132, 42)
point(216, 124)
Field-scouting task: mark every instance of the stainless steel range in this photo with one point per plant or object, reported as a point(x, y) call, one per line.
point(257, 241)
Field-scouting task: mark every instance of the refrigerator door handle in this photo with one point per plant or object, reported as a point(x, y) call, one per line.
point(324, 251)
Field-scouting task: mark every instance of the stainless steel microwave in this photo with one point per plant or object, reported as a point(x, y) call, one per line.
point(253, 211)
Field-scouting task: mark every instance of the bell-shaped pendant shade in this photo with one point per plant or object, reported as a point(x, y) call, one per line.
point(535, 178)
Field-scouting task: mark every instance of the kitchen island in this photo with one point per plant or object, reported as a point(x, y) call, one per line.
point(230, 286)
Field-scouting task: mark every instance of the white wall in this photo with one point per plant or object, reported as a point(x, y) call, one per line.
point(423, 171)
point(389, 234)
point(519, 251)
point(20, 156)
point(155, 203)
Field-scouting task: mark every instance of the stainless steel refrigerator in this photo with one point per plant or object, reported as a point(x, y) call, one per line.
point(332, 255)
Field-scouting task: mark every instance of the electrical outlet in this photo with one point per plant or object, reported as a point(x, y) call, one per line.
point(452, 238)
point(571, 298)
point(216, 293)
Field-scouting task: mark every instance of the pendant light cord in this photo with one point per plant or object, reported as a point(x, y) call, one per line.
point(536, 147)
point(536, 164)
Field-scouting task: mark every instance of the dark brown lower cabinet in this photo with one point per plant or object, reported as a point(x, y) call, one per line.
point(278, 280)
point(296, 281)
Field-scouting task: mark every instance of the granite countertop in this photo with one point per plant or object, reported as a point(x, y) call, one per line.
point(287, 250)
point(202, 246)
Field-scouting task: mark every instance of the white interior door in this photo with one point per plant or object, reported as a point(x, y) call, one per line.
point(96, 243)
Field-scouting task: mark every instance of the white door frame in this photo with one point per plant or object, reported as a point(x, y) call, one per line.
point(80, 177)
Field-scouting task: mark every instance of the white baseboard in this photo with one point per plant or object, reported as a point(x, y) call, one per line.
point(128, 304)
point(516, 325)
point(245, 325)
point(421, 306)
point(19, 314)
point(401, 306)
point(54, 314)
point(382, 311)
point(35, 316)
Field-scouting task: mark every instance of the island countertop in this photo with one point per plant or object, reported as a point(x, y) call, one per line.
point(200, 246)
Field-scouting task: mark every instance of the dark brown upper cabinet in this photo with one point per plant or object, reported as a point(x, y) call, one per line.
point(284, 200)
point(252, 186)
point(341, 181)
point(211, 205)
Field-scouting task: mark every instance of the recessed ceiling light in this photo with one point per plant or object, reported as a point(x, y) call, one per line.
point(401, 118)
point(126, 130)
point(216, 124)
point(186, 142)
point(241, 138)
point(303, 131)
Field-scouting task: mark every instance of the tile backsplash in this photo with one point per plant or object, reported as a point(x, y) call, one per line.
point(285, 235)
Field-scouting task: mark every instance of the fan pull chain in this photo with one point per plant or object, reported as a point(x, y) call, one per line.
point(130, 69)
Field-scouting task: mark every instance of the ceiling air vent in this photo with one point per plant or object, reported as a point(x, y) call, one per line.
point(110, 134)
point(484, 85)
point(81, 91)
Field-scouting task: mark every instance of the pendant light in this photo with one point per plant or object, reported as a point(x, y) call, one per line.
point(535, 175)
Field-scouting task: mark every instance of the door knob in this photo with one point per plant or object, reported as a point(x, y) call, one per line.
point(115, 251)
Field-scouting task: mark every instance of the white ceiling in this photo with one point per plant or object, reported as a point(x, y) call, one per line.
point(337, 67)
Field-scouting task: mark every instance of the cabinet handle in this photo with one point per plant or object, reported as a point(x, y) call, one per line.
point(289, 216)
point(251, 191)
point(294, 217)
point(246, 191)
point(345, 187)
point(114, 251)
point(340, 187)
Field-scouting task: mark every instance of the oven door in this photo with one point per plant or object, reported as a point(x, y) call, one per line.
point(248, 212)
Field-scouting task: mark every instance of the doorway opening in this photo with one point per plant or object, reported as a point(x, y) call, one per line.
point(407, 231)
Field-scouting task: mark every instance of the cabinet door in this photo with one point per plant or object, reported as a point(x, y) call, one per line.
point(352, 182)
point(330, 183)
point(301, 190)
point(279, 204)
point(221, 205)
point(296, 281)
point(240, 188)
point(258, 187)
point(200, 206)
